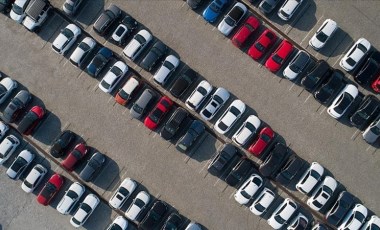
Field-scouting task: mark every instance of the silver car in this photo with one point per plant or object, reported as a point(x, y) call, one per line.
point(372, 132)
point(142, 103)
point(82, 51)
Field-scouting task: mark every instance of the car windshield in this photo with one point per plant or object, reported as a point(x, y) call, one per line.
point(277, 59)
point(206, 113)
point(362, 48)
point(279, 219)
point(265, 138)
point(317, 204)
point(68, 6)
point(116, 70)
point(250, 127)
point(99, 60)
point(344, 103)
point(85, 207)
point(72, 194)
point(218, 99)
point(259, 47)
point(222, 126)
point(351, 61)
point(137, 108)
point(375, 130)
point(235, 111)
point(140, 39)
point(139, 203)
point(67, 33)
point(120, 31)
point(314, 174)
point(229, 21)
point(266, 6)
point(84, 46)
point(124, 191)
point(115, 227)
point(359, 216)
point(259, 207)
point(105, 84)
point(245, 194)
point(285, 14)
point(155, 116)
point(215, 6)
point(168, 65)
point(48, 190)
point(202, 91)
point(17, 9)
point(19, 164)
point(123, 94)
point(77, 154)
point(322, 37)
point(295, 68)
point(27, 184)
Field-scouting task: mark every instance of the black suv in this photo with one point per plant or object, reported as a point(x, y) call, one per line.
point(158, 50)
point(154, 216)
point(316, 76)
point(173, 124)
point(62, 143)
point(330, 88)
point(368, 110)
point(343, 204)
point(220, 162)
point(106, 19)
point(239, 171)
point(369, 69)
point(183, 83)
point(289, 170)
point(274, 161)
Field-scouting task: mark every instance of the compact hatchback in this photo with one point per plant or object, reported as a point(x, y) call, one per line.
point(62, 143)
point(31, 120)
point(279, 56)
point(158, 51)
point(8, 147)
point(139, 107)
point(122, 193)
point(248, 189)
point(288, 9)
point(84, 211)
point(230, 116)
point(113, 77)
point(125, 94)
point(139, 42)
point(124, 30)
point(310, 178)
point(217, 100)
point(158, 113)
point(195, 130)
point(239, 171)
point(355, 54)
point(258, 146)
point(368, 109)
point(282, 213)
point(66, 39)
point(173, 125)
point(168, 66)
point(247, 130)
point(343, 204)
point(19, 165)
point(274, 160)
point(99, 61)
point(184, 82)
point(322, 194)
point(16, 106)
point(79, 151)
point(93, 166)
point(262, 202)
point(222, 159)
point(323, 34)
point(106, 19)
point(327, 91)
point(316, 75)
point(232, 18)
point(296, 65)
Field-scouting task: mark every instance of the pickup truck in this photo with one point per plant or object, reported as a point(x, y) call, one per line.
point(232, 18)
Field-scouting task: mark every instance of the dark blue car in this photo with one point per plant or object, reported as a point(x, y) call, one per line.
point(213, 10)
point(99, 61)
point(195, 130)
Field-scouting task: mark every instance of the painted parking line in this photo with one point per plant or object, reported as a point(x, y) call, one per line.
point(307, 98)
point(323, 109)
point(307, 35)
point(353, 137)
point(95, 87)
point(291, 87)
point(298, 17)
point(183, 4)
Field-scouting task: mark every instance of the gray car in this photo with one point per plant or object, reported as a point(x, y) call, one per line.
point(195, 130)
point(105, 20)
point(372, 132)
point(142, 103)
point(16, 106)
point(93, 166)
point(267, 6)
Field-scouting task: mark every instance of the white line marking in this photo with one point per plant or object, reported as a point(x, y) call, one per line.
point(340, 57)
point(323, 109)
point(354, 135)
point(307, 98)
point(109, 99)
point(291, 87)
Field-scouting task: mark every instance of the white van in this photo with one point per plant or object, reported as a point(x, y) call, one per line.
point(36, 14)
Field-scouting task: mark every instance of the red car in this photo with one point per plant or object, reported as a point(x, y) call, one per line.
point(279, 56)
point(266, 135)
point(249, 26)
point(159, 111)
point(74, 156)
point(50, 189)
point(376, 85)
point(31, 120)
point(262, 44)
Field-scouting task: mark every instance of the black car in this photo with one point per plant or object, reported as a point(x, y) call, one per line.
point(289, 170)
point(92, 167)
point(196, 129)
point(183, 83)
point(316, 75)
point(173, 124)
point(274, 160)
point(194, 4)
point(16, 106)
point(267, 6)
point(154, 216)
point(98, 62)
point(367, 72)
point(106, 19)
point(158, 50)
point(6, 5)
point(173, 222)
point(222, 159)
point(62, 143)
point(331, 88)
point(368, 110)
point(239, 171)
point(343, 204)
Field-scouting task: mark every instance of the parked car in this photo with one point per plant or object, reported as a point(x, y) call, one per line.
point(247, 130)
point(250, 25)
point(194, 4)
point(137, 205)
point(30, 121)
point(322, 194)
point(368, 110)
point(93, 166)
point(3, 129)
point(217, 100)
point(106, 19)
point(289, 170)
point(248, 189)
point(232, 18)
point(282, 213)
point(297, 65)
point(267, 6)
point(288, 9)
point(262, 44)
point(124, 30)
point(34, 178)
point(174, 123)
point(239, 171)
point(113, 76)
point(173, 222)
point(5, 6)
point(279, 56)
point(343, 101)
point(99, 61)
point(50, 189)
point(71, 197)
point(62, 143)
point(139, 42)
point(183, 83)
point(212, 11)
point(371, 224)
point(222, 159)
point(262, 202)
point(334, 84)
point(198, 95)
point(310, 178)
point(323, 34)
point(265, 136)
point(372, 132)
point(79, 151)
point(299, 222)
point(66, 39)
point(7, 85)
point(19, 165)
point(7, 147)
point(158, 50)
point(274, 160)
point(118, 223)
point(141, 104)
point(36, 14)
point(122, 193)
point(16, 106)
point(355, 218)
point(367, 72)
point(18, 10)
point(355, 54)
point(70, 7)
point(154, 216)
point(82, 52)
point(125, 94)
point(316, 75)
point(84, 211)
point(230, 116)
point(158, 112)
point(342, 205)
point(195, 130)
point(168, 66)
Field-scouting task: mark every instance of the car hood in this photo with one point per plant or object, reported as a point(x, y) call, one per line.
point(161, 74)
point(131, 48)
point(133, 212)
point(288, 73)
point(224, 28)
point(316, 43)
point(60, 41)
point(8, 83)
point(210, 15)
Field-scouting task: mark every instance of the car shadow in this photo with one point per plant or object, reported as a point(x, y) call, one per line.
point(89, 11)
point(338, 44)
point(108, 176)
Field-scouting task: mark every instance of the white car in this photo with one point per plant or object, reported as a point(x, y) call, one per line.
point(137, 44)
point(288, 9)
point(82, 52)
point(198, 95)
point(36, 14)
point(248, 189)
point(232, 18)
point(310, 178)
point(296, 65)
point(216, 101)
point(372, 224)
point(322, 194)
point(66, 39)
point(355, 54)
point(3, 129)
point(323, 34)
point(34, 178)
point(20, 164)
point(230, 116)
point(84, 210)
point(354, 218)
point(343, 101)
point(71, 197)
point(18, 10)
point(262, 202)
point(126, 92)
point(247, 130)
point(138, 204)
point(372, 132)
point(7, 147)
point(168, 66)
point(7, 85)
point(122, 193)
point(298, 222)
point(113, 77)
point(282, 213)
point(119, 223)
